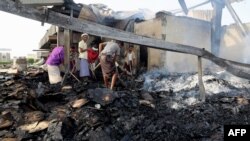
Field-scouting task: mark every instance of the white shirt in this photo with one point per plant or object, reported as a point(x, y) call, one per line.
point(82, 45)
point(130, 56)
point(111, 48)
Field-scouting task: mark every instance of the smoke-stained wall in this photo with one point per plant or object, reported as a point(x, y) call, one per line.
point(152, 28)
point(187, 31)
point(192, 32)
point(233, 45)
point(180, 30)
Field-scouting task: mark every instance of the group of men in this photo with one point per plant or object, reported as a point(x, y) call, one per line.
point(108, 55)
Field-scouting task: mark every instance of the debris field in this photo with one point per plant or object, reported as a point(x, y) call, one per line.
point(31, 109)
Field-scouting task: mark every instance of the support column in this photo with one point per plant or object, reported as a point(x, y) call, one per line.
point(67, 44)
point(60, 36)
point(216, 26)
point(201, 85)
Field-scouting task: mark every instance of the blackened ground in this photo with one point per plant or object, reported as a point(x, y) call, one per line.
point(124, 119)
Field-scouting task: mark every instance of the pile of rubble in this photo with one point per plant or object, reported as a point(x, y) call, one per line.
point(31, 109)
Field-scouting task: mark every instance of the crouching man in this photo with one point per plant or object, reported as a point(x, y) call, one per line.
point(109, 53)
point(55, 59)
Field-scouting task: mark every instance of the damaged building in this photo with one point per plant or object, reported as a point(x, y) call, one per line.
point(192, 76)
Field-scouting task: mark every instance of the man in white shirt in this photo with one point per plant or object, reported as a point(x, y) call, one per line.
point(82, 49)
point(129, 64)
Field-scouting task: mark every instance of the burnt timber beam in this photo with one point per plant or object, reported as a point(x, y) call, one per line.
point(42, 2)
point(235, 68)
point(200, 81)
point(80, 25)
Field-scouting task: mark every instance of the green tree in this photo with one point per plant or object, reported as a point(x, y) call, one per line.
point(30, 60)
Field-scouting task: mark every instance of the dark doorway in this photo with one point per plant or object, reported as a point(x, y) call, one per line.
point(143, 56)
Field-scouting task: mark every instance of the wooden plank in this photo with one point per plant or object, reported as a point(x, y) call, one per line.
point(53, 38)
point(40, 50)
point(93, 28)
point(34, 127)
point(60, 36)
point(66, 48)
point(238, 69)
point(201, 85)
point(42, 2)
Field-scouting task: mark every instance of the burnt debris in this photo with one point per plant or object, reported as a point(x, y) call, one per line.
point(31, 109)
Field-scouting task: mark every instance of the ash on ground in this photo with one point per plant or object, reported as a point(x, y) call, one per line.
point(159, 106)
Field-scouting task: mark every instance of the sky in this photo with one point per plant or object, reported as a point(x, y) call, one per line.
point(22, 35)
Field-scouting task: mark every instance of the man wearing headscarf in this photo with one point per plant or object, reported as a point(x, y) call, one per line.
point(82, 49)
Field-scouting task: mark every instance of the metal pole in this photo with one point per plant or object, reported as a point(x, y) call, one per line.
point(216, 27)
point(236, 18)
